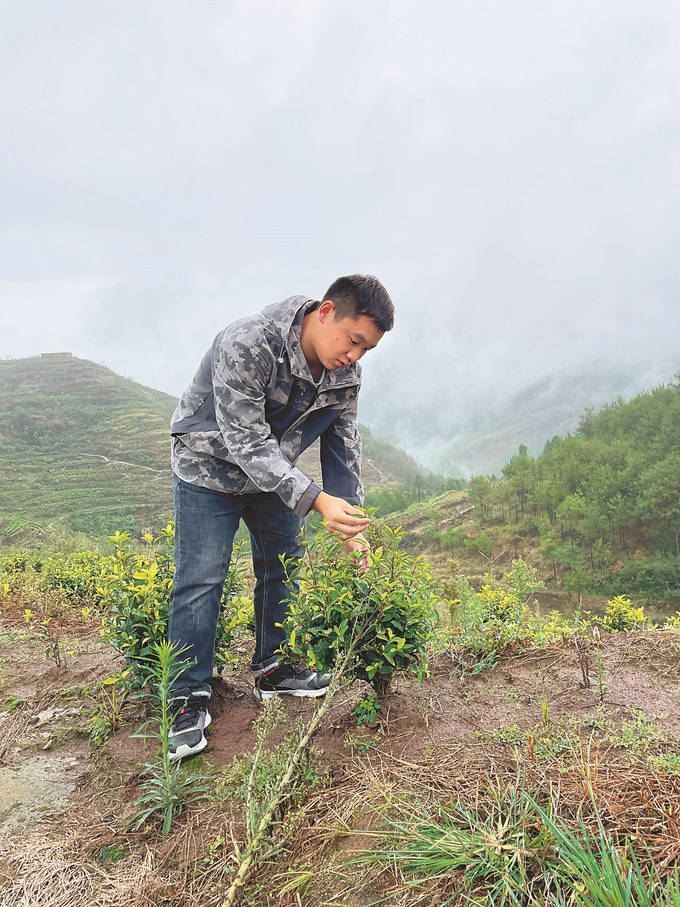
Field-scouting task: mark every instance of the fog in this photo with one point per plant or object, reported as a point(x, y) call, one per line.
point(511, 172)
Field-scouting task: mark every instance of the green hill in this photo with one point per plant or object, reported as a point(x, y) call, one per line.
point(83, 449)
point(598, 509)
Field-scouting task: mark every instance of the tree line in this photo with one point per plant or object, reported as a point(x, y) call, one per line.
point(603, 502)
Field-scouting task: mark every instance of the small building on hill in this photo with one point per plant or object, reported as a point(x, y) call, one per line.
point(57, 356)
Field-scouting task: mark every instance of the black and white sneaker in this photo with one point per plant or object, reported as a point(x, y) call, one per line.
point(290, 680)
point(188, 725)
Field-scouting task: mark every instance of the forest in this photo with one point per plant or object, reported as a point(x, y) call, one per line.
point(602, 505)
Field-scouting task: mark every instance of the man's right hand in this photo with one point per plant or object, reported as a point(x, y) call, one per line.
point(342, 519)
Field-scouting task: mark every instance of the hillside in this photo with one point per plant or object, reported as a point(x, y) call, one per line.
point(597, 512)
point(83, 449)
point(476, 429)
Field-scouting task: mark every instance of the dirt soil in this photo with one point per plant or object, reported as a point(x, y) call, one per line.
point(64, 802)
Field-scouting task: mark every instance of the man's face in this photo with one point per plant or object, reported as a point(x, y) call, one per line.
point(340, 342)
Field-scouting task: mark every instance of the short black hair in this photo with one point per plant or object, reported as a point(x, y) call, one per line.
point(361, 294)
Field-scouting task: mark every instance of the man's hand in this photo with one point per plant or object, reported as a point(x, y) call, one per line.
point(342, 519)
point(357, 549)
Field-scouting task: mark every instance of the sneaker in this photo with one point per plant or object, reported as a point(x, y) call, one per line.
point(290, 680)
point(188, 724)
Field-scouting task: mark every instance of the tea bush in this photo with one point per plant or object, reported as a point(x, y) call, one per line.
point(621, 614)
point(135, 597)
point(78, 574)
point(387, 613)
point(16, 562)
point(499, 616)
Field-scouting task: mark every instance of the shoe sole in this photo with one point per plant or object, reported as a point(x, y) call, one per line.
point(185, 750)
point(269, 694)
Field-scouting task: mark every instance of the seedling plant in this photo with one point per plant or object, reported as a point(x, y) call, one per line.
point(366, 710)
point(167, 787)
point(387, 611)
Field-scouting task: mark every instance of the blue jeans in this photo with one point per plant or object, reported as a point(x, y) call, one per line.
point(205, 524)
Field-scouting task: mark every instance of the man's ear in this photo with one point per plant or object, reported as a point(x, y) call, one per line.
point(326, 310)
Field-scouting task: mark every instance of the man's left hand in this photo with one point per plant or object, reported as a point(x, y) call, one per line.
point(357, 548)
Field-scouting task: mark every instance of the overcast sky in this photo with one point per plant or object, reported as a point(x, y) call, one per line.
point(510, 171)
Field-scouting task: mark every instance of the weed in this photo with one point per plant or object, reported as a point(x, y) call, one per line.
point(106, 721)
point(583, 657)
point(254, 777)
point(508, 733)
point(601, 871)
point(12, 703)
point(364, 741)
point(636, 733)
point(517, 853)
point(166, 788)
point(503, 850)
point(549, 744)
point(112, 853)
point(601, 673)
point(81, 692)
point(367, 709)
point(285, 783)
point(666, 762)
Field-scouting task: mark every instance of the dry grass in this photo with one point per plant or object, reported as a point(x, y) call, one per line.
point(336, 823)
point(49, 876)
point(60, 864)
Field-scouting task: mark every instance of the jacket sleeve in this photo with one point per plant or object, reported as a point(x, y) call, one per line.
point(242, 369)
point(341, 457)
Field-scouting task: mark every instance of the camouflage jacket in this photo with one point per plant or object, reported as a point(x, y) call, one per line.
point(253, 407)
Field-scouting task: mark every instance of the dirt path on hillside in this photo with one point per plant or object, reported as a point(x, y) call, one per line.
point(121, 462)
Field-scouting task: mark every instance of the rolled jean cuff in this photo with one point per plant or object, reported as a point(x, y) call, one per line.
point(307, 498)
point(267, 665)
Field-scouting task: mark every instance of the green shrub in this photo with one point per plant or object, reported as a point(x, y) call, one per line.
point(135, 596)
point(649, 577)
point(17, 562)
point(498, 617)
point(478, 543)
point(621, 614)
point(78, 574)
point(387, 613)
point(452, 537)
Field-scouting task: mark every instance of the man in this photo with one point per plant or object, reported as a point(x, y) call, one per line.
point(267, 388)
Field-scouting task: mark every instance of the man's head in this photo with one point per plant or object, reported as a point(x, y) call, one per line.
point(361, 294)
point(352, 317)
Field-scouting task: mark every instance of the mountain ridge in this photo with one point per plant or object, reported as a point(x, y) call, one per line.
point(89, 450)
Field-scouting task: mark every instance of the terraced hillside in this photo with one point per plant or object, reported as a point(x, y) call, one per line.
point(84, 450)
point(80, 448)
